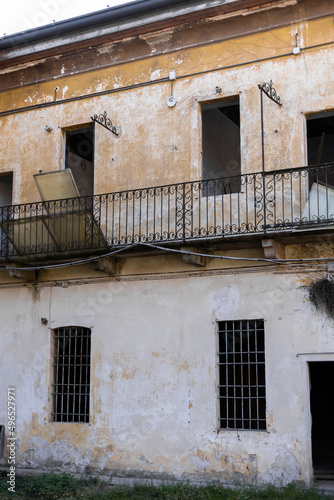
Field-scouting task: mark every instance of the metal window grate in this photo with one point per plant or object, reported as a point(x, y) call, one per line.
point(71, 374)
point(242, 390)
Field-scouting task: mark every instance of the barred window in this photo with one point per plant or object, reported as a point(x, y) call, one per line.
point(242, 390)
point(71, 374)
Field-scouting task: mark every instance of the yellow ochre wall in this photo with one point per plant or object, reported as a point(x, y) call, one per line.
point(159, 145)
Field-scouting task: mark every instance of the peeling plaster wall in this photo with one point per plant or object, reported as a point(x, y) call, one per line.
point(153, 382)
point(153, 135)
point(154, 405)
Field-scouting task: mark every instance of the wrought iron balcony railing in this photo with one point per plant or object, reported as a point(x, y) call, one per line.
point(248, 204)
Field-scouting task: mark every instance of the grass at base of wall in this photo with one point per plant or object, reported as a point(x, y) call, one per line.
point(63, 486)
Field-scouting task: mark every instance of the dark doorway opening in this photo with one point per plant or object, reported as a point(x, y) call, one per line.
point(221, 147)
point(320, 138)
point(320, 147)
point(79, 157)
point(6, 200)
point(6, 189)
point(322, 410)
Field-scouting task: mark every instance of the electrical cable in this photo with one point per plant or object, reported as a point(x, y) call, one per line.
point(147, 83)
point(66, 264)
point(255, 259)
point(173, 250)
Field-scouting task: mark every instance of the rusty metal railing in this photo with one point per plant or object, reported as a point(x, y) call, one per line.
point(248, 204)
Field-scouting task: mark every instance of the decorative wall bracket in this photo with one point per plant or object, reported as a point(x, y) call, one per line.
point(270, 91)
point(103, 120)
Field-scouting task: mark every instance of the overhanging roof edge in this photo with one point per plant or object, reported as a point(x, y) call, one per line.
point(135, 10)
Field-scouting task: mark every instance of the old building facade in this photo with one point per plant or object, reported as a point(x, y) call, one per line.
point(167, 201)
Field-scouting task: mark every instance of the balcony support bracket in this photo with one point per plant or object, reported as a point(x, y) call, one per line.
point(18, 273)
point(106, 265)
point(273, 249)
point(196, 260)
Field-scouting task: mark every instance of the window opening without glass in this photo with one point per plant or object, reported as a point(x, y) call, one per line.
point(79, 157)
point(6, 189)
point(221, 147)
point(242, 390)
point(6, 199)
point(71, 374)
point(320, 146)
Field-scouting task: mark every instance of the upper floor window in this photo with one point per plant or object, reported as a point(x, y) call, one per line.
point(320, 138)
point(221, 147)
point(79, 157)
point(320, 149)
point(71, 374)
point(6, 188)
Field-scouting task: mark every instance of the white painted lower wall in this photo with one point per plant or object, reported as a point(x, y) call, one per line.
point(154, 404)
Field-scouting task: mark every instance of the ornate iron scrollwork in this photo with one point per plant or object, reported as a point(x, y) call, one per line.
point(103, 120)
point(270, 91)
point(184, 210)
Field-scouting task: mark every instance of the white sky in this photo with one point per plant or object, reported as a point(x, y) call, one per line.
point(21, 15)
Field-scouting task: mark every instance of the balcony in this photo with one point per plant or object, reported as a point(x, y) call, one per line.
point(246, 205)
